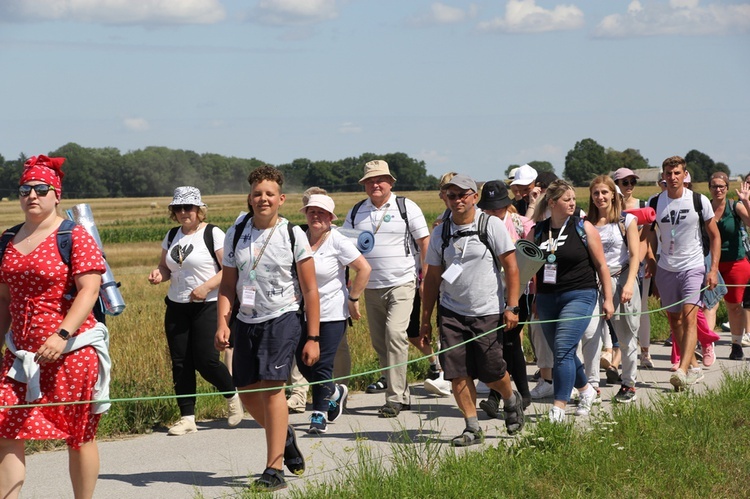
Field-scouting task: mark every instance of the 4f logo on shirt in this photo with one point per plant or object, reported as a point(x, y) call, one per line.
point(674, 218)
point(559, 244)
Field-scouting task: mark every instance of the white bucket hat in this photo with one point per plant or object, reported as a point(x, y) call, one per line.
point(187, 195)
point(321, 201)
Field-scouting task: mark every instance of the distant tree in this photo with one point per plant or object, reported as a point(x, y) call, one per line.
point(700, 165)
point(542, 166)
point(585, 161)
point(721, 167)
point(629, 158)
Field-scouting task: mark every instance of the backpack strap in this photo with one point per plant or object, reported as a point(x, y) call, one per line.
point(698, 205)
point(401, 204)
point(7, 237)
point(621, 225)
point(652, 204)
point(171, 235)
point(481, 233)
point(354, 211)
point(208, 240)
point(65, 240)
point(578, 224)
point(239, 228)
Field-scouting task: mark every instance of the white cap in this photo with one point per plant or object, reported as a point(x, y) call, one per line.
point(524, 175)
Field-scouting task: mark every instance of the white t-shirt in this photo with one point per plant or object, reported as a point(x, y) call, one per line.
point(390, 262)
point(616, 252)
point(478, 289)
point(191, 264)
point(679, 227)
point(273, 291)
point(331, 259)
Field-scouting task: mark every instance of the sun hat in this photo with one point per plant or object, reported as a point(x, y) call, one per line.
point(462, 182)
point(376, 168)
point(187, 195)
point(321, 201)
point(445, 178)
point(494, 196)
point(512, 174)
point(524, 175)
point(624, 173)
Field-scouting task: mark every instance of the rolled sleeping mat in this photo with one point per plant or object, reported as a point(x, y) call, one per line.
point(530, 259)
point(109, 292)
point(644, 216)
point(364, 240)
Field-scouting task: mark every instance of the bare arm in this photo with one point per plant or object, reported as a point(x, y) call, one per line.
point(4, 308)
point(363, 269)
point(162, 272)
point(512, 283)
point(309, 287)
point(431, 283)
point(633, 238)
point(227, 293)
point(597, 256)
point(712, 277)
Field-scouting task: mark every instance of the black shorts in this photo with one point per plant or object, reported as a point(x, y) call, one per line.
point(480, 359)
point(264, 351)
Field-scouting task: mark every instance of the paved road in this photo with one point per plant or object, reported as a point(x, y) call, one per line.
point(216, 461)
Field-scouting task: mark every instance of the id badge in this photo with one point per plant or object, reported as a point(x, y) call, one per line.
point(248, 296)
point(671, 247)
point(550, 273)
point(452, 272)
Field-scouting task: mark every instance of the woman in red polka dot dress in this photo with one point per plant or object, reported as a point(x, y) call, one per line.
point(56, 350)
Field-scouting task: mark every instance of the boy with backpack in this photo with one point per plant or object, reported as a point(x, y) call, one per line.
point(268, 267)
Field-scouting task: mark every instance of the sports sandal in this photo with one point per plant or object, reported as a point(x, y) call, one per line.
point(378, 387)
point(392, 409)
point(514, 418)
point(271, 479)
point(467, 438)
point(293, 458)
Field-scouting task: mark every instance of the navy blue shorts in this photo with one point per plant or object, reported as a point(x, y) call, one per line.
point(264, 351)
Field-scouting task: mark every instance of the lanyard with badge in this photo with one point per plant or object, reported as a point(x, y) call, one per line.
point(455, 269)
point(248, 290)
point(386, 217)
point(550, 268)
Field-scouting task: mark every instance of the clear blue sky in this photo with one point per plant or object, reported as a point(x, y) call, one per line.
point(465, 86)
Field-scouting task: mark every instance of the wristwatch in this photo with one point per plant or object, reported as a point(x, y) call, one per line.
point(516, 310)
point(316, 339)
point(64, 334)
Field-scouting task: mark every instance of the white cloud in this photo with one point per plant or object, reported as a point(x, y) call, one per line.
point(115, 11)
point(441, 13)
point(525, 16)
point(349, 128)
point(295, 12)
point(136, 124)
point(675, 17)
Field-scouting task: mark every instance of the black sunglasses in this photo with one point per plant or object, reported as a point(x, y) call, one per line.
point(628, 183)
point(463, 195)
point(41, 190)
point(182, 207)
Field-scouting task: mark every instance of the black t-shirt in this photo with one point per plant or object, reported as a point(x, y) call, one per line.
point(575, 270)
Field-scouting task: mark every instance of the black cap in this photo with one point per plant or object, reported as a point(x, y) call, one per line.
point(494, 196)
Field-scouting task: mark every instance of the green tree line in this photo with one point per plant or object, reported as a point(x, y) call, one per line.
point(156, 171)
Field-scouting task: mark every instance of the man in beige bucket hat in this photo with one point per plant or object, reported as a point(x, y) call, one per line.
point(401, 236)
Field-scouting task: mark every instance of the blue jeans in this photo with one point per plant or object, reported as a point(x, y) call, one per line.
point(576, 306)
point(330, 337)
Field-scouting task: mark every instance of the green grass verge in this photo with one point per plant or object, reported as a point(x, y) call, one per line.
point(683, 445)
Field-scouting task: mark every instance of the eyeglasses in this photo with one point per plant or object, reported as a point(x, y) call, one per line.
point(628, 183)
point(453, 196)
point(41, 190)
point(182, 207)
point(718, 187)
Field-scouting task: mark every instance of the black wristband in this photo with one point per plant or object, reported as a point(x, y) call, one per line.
point(316, 339)
point(353, 299)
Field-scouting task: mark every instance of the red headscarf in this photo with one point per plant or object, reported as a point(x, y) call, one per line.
point(44, 169)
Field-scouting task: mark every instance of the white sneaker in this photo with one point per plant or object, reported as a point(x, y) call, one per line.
point(183, 427)
point(585, 402)
point(440, 386)
point(646, 361)
point(482, 388)
point(235, 411)
point(542, 390)
point(694, 375)
point(746, 340)
point(556, 415)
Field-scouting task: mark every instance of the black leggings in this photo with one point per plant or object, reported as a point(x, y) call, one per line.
point(513, 351)
point(190, 329)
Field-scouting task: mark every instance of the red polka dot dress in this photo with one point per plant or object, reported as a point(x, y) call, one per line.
point(38, 283)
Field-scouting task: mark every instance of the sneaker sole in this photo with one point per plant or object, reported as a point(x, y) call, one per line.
point(435, 390)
